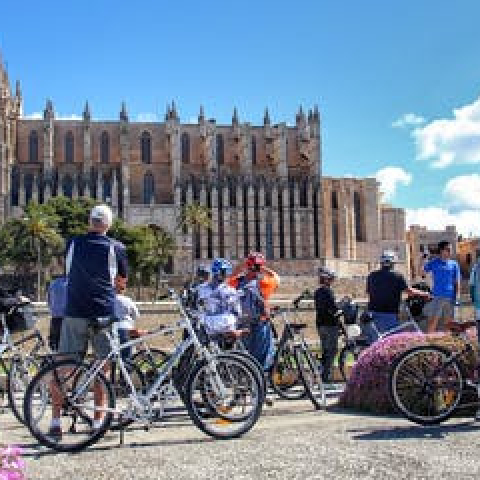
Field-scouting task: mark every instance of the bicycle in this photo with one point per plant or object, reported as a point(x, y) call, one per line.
point(294, 364)
point(221, 392)
point(16, 316)
point(355, 341)
point(427, 382)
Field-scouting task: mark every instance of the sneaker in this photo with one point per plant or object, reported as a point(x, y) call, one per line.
point(55, 433)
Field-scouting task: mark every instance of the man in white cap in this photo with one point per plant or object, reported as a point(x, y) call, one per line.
point(93, 262)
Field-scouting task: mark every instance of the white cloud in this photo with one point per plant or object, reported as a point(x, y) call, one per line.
point(437, 218)
point(34, 116)
point(463, 192)
point(408, 120)
point(39, 116)
point(147, 117)
point(390, 178)
point(448, 141)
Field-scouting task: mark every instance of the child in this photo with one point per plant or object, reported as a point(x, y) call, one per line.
point(327, 324)
point(127, 312)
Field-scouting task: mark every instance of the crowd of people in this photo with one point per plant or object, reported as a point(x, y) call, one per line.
point(231, 297)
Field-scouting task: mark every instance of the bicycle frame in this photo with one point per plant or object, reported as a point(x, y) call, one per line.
point(116, 348)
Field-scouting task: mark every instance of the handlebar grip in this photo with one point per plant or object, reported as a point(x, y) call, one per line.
point(164, 297)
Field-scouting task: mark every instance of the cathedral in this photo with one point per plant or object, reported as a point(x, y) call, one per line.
point(262, 184)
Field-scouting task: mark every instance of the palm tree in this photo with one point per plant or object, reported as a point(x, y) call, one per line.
point(194, 216)
point(37, 233)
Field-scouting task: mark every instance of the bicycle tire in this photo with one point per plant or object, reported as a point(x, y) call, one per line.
point(407, 361)
point(285, 387)
point(257, 366)
point(200, 421)
point(74, 369)
point(311, 377)
point(18, 378)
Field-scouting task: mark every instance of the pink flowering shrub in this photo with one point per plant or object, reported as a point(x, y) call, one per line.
point(367, 388)
point(12, 466)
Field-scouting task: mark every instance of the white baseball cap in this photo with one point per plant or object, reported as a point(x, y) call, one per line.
point(103, 213)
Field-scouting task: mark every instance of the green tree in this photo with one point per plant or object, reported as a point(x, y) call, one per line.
point(30, 243)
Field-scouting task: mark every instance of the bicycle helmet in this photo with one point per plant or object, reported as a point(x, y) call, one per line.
point(221, 266)
point(203, 271)
point(255, 259)
point(387, 258)
point(324, 272)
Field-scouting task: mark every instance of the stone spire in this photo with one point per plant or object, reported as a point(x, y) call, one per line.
point(310, 116)
point(48, 113)
point(266, 118)
point(316, 114)
point(86, 113)
point(123, 113)
point(18, 89)
point(235, 117)
point(174, 111)
point(201, 115)
point(300, 117)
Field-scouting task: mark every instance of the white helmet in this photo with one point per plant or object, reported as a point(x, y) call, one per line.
point(388, 257)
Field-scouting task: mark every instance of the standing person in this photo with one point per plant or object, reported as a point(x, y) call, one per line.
point(199, 285)
point(93, 262)
point(327, 323)
point(127, 312)
point(446, 287)
point(474, 284)
point(258, 283)
point(57, 301)
point(384, 289)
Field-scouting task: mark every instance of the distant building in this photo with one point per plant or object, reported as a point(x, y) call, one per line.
point(421, 241)
point(468, 251)
point(262, 184)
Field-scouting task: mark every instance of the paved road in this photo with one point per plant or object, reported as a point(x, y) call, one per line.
point(290, 441)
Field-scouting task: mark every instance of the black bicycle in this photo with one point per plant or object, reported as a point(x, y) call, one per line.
point(428, 382)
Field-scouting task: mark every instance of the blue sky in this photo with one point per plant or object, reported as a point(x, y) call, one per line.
point(367, 64)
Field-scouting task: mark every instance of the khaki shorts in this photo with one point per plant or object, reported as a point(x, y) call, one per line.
point(75, 335)
point(440, 308)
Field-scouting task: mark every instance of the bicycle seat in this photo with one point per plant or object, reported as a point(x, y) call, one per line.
point(242, 332)
point(297, 327)
point(101, 323)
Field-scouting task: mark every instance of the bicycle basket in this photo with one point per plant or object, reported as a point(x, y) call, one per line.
point(21, 319)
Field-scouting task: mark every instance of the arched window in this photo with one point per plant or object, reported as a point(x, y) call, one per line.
point(67, 186)
point(185, 144)
point(33, 147)
point(146, 147)
point(357, 208)
point(148, 188)
point(335, 244)
point(104, 148)
point(254, 150)
point(15, 187)
point(220, 153)
point(69, 147)
point(28, 187)
point(334, 201)
point(107, 188)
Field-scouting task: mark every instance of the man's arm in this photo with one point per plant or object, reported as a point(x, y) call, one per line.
point(240, 268)
point(414, 292)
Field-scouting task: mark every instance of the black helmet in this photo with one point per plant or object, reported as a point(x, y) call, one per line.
point(203, 271)
point(324, 272)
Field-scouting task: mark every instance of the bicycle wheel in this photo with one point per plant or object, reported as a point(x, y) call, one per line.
point(72, 384)
point(426, 384)
point(22, 370)
point(284, 375)
point(234, 393)
point(311, 377)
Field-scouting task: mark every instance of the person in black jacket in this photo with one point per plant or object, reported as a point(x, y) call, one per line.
point(327, 324)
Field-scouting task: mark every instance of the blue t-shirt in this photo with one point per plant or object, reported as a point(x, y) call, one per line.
point(93, 261)
point(446, 274)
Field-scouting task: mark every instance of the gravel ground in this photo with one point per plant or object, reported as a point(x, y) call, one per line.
point(290, 441)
